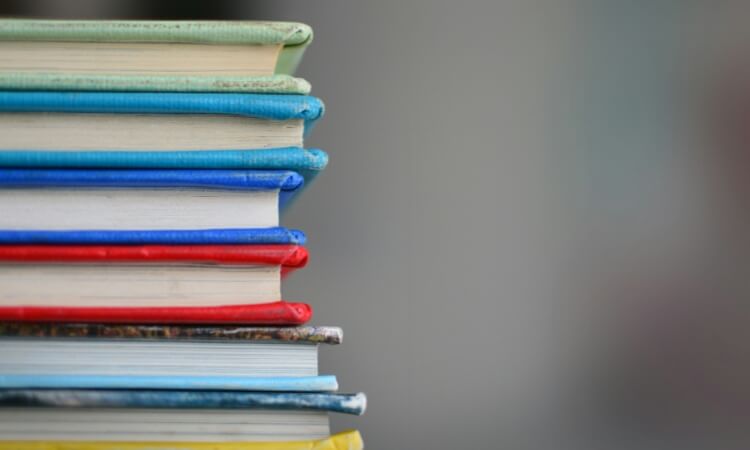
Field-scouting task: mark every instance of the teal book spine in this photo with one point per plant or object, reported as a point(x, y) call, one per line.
point(261, 106)
point(306, 162)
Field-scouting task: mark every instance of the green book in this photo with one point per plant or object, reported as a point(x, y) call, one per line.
point(176, 56)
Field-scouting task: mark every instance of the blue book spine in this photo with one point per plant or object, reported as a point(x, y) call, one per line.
point(208, 179)
point(323, 383)
point(264, 106)
point(342, 403)
point(287, 182)
point(295, 159)
point(276, 235)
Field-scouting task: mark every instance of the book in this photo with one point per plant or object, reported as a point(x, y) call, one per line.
point(146, 425)
point(234, 56)
point(113, 282)
point(348, 440)
point(161, 121)
point(73, 200)
point(153, 415)
point(75, 355)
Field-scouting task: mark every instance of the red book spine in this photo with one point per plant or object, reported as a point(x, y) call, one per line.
point(276, 313)
point(284, 255)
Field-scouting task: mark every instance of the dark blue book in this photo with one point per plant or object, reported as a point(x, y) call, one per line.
point(146, 206)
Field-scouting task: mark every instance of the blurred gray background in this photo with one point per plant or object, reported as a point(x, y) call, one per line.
point(511, 228)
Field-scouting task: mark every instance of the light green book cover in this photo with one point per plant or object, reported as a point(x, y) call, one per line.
point(292, 38)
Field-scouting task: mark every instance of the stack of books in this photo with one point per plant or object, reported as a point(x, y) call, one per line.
point(143, 170)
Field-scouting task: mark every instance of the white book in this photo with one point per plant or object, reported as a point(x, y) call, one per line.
point(38, 199)
point(155, 425)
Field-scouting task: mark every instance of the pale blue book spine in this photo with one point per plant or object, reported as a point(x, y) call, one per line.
point(322, 383)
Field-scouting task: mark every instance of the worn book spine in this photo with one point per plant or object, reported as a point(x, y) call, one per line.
point(302, 335)
point(173, 399)
point(276, 313)
point(166, 31)
point(349, 440)
point(40, 81)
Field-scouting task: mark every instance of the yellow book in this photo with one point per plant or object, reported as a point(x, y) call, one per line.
point(348, 440)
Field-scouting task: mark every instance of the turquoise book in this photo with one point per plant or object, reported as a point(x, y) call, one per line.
point(115, 130)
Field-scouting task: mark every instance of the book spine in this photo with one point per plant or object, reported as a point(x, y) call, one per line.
point(304, 161)
point(242, 180)
point(204, 399)
point(263, 106)
point(277, 313)
point(276, 84)
point(157, 390)
point(284, 255)
point(168, 31)
point(192, 332)
point(265, 236)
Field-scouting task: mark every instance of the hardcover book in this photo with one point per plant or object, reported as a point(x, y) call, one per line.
point(161, 121)
point(240, 56)
point(153, 415)
point(349, 440)
point(149, 283)
point(137, 200)
point(75, 355)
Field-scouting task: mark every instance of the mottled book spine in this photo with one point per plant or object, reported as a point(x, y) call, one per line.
point(306, 334)
point(341, 403)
